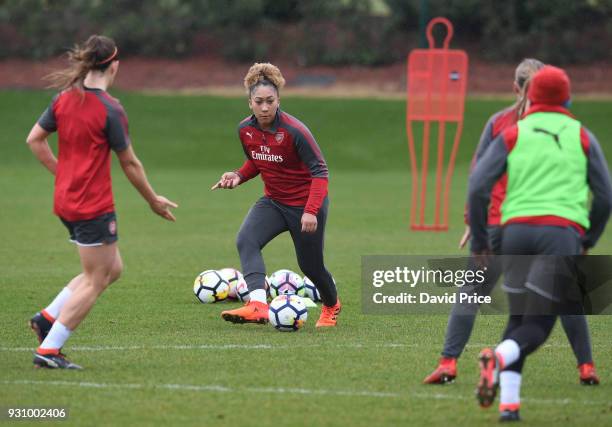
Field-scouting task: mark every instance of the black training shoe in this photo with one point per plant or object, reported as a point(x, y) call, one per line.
point(41, 326)
point(53, 361)
point(507, 416)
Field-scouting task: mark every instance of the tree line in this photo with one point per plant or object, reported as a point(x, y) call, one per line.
point(311, 32)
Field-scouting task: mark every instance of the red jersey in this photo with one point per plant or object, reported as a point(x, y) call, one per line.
point(289, 160)
point(88, 126)
point(498, 122)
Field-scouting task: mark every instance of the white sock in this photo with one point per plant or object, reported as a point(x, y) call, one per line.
point(509, 350)
point(510, 385)
point(56, 305)
point(57, 336)
point(259, 295)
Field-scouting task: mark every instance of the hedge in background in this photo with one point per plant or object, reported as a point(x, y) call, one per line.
point(308, 32)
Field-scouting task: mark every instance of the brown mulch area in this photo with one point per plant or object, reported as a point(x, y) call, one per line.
point(210, 75)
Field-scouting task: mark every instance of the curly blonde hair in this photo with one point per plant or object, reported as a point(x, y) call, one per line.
point(263, 74)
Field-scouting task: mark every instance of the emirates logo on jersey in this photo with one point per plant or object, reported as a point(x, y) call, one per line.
point(266, 154)
point(279, 137)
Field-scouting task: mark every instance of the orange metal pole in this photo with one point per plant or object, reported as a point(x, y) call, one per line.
point(424, 170)
point(414, 172)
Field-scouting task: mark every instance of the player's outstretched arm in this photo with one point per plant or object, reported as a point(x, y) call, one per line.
point(227, 181)
point(37, 140)
point(233, 179)
point(133, 169)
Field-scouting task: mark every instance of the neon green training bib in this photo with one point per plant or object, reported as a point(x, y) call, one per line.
point(547, 170)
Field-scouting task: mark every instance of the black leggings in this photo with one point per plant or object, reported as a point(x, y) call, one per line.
point(529, 332)
point(266, 220)
point(531, 292)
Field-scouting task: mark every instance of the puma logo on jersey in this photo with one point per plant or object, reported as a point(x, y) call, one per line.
point(555, 136)
point(249, 134)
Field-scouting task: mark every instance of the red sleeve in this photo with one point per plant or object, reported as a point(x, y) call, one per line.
point(584, 141)
point(318, 191)
point(247, 171)
point(510, 136)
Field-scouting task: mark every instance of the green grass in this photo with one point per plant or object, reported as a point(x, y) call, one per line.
point(178, 362)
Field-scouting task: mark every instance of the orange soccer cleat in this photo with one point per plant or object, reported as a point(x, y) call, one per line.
point(588, 375)
point(446, 372)
point(252, 312)
point(489, 378)
point(329, 315)
point(509, 412)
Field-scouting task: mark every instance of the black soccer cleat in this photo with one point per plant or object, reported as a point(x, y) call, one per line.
point(508, 416)
point(41, 326)
point(53, 361)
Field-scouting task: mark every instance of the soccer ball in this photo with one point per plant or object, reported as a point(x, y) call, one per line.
point(286, 282)
point(210, 286)
point(287, 313)
point(234, 278)
point(311, 290)
point(242, 291)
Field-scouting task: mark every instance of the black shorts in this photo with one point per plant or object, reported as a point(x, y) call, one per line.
point(547, 261)
point(93, 232)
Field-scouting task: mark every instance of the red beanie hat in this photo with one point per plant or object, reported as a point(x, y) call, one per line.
point(550, 85)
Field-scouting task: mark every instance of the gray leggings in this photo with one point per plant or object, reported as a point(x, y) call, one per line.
point(266, 220)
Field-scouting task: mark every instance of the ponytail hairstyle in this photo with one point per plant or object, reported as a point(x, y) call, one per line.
point(522, 77)
point(263, 74)
point(97, 53)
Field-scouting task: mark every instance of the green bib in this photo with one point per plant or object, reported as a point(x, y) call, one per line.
point(547, 170)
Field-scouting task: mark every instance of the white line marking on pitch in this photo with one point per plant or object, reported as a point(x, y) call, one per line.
point(282, 390)
point(255, 347)
point(206, 387)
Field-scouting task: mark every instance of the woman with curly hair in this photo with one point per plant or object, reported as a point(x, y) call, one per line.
point(280, 148)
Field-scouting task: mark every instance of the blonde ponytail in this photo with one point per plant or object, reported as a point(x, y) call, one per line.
point(522, 77)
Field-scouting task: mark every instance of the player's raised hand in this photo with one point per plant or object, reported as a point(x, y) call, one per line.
point(161, 206)
point(228, 181)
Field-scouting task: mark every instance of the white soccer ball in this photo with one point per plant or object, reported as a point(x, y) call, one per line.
point(234, 278)
point(287, 313)
point(242, 291)
point(310, 290)
point(210, 286)
point(286, 282)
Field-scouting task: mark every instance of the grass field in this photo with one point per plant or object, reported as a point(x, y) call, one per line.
point(153, 354)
